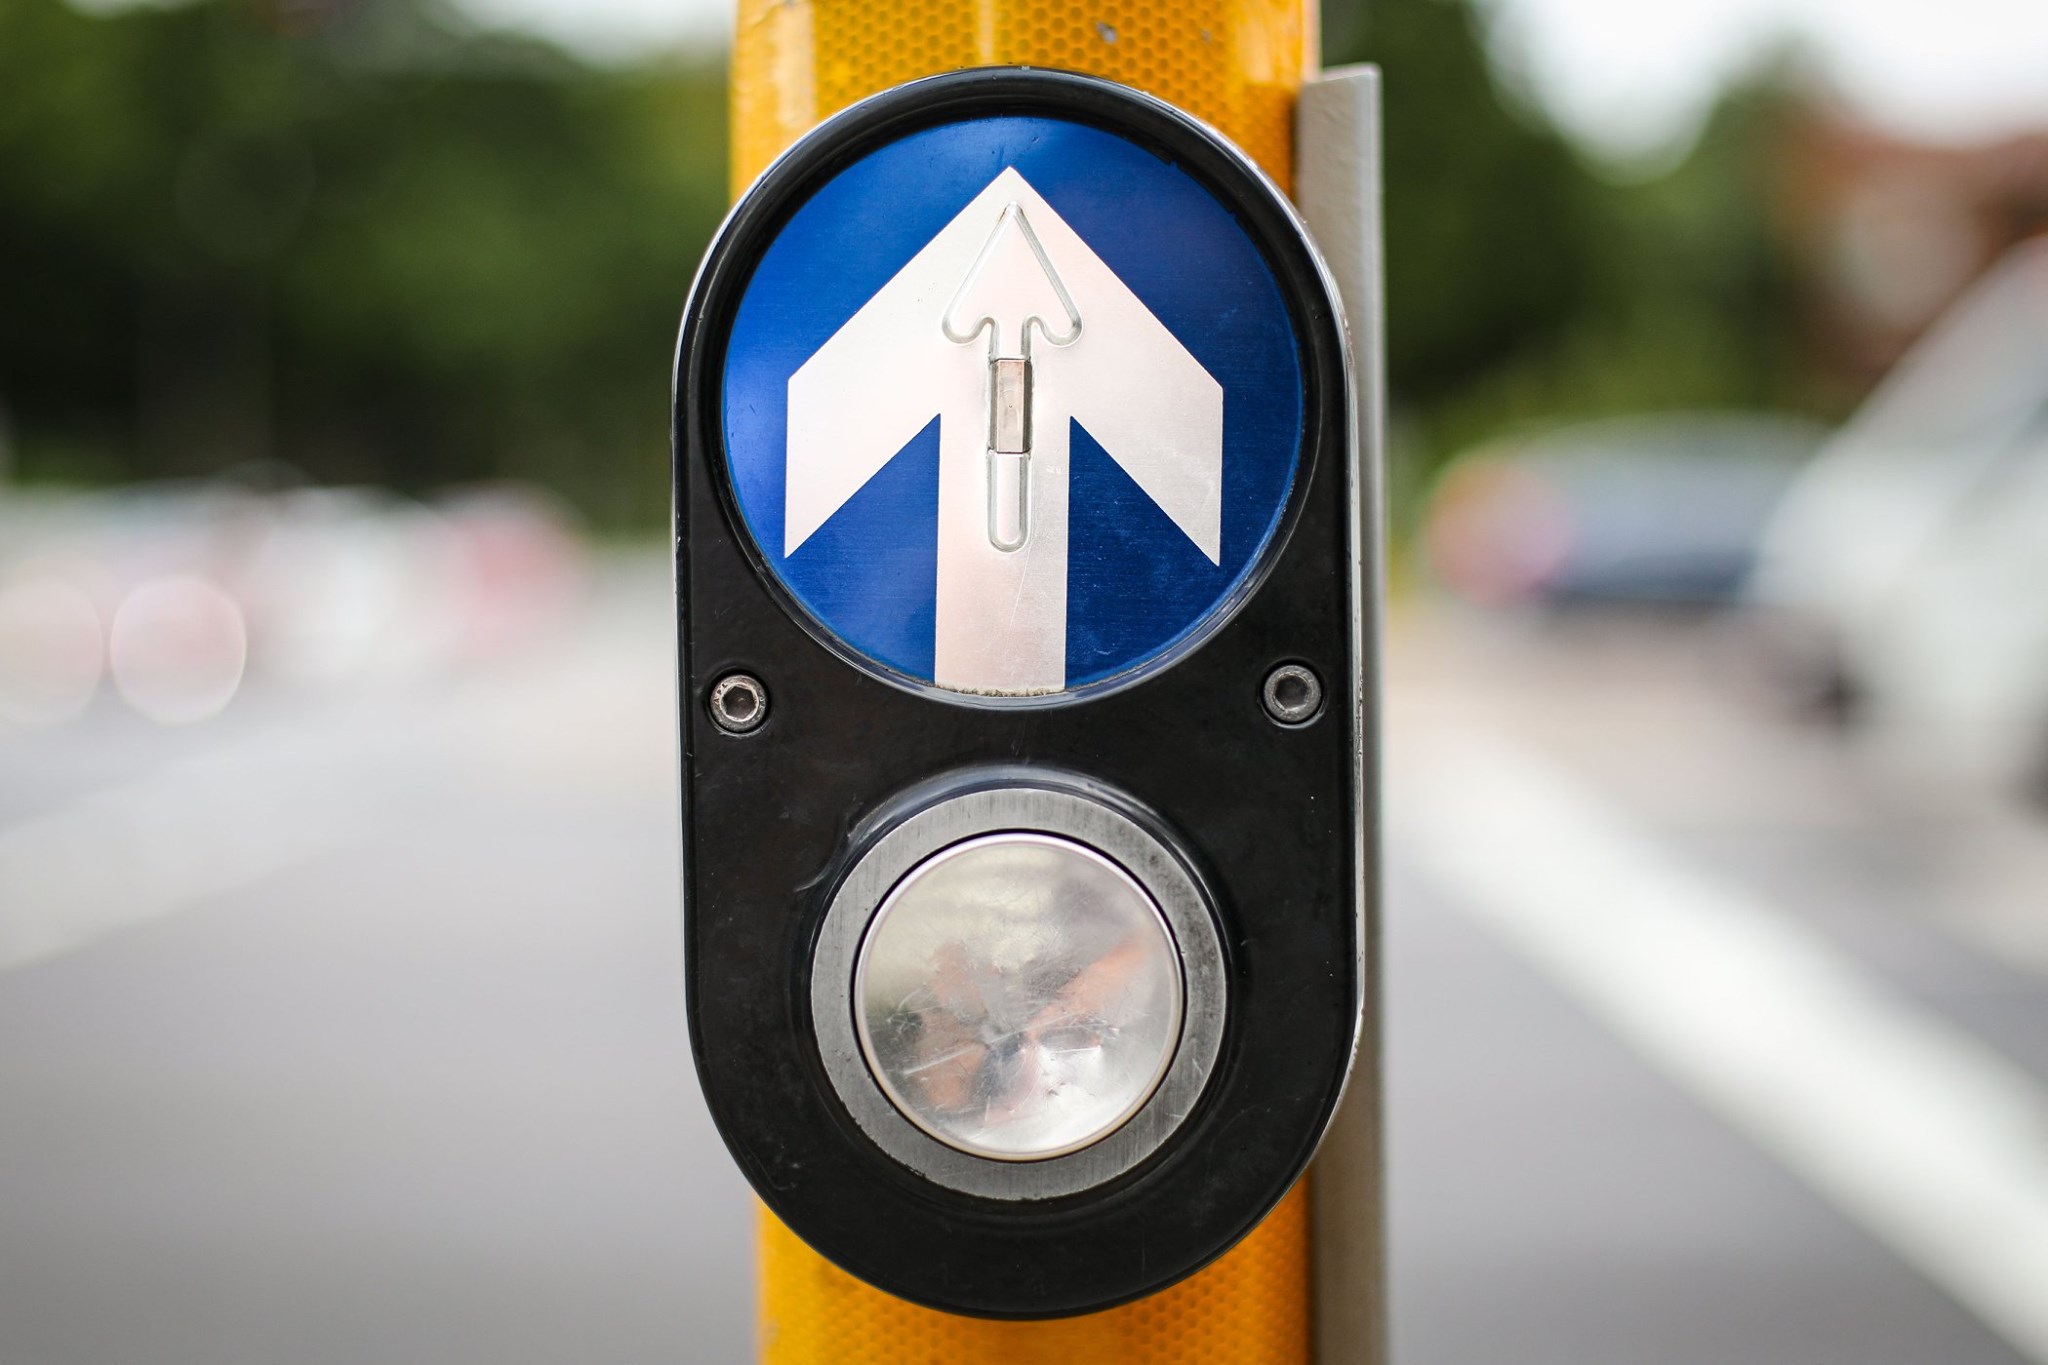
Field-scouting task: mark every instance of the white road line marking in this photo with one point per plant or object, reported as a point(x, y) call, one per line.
point(1934, 1142)
point(162, 844)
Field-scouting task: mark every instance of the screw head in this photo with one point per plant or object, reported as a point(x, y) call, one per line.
point(1293, 694)
point(738, 703)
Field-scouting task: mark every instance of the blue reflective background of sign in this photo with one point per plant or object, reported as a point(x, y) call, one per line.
point(1136, 585)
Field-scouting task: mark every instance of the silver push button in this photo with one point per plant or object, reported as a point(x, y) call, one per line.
point(1018, 996)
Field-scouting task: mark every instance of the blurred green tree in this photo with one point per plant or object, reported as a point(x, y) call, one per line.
point(372, 248)
point(353, 237)
point(1522, 285)
point(1492, 222)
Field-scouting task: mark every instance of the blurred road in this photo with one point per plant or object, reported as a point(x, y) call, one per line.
point(1709, 1040)
point(395, 1069)
point(351, 1030)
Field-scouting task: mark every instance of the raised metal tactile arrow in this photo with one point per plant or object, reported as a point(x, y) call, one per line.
point(1011, 286)
point(1011, 291)
point(901, 359)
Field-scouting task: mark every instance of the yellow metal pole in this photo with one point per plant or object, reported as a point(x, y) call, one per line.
point(1237, 65)
point(1249, 1308)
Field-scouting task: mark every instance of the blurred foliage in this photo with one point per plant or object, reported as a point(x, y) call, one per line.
point(1523, 285)
point(366, 245)
point(355, 238)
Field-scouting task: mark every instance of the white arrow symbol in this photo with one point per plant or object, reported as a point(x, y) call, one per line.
point(1009, 265)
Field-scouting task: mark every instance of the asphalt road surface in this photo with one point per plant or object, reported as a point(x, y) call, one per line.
point(349, 1027)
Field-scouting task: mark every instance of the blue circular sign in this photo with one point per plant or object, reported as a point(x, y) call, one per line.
point(1013, 406)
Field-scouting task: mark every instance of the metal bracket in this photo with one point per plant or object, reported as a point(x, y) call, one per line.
point(1337, 188)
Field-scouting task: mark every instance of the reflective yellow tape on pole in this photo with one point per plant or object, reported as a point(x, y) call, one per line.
point(1237, 65)
point(1234, 64)
point(1249, 1308)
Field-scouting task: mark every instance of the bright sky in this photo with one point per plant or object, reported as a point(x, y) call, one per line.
point(1627, 76)
point(612, 29)
point(1631, 75)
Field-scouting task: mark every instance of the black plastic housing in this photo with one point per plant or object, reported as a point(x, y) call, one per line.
point(1268, 815)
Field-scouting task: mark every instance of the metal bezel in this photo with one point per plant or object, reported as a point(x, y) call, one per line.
point(1041, 810)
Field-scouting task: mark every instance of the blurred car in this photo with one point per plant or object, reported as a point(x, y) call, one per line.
point(1663, 510)
point(1906, 574)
